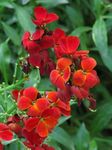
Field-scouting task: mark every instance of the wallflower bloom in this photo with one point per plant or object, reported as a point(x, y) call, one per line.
point(43, 17)
point(67, 46)
point(86, 76)
point(57, 102)
point(61, 74)
point(29, 41)
point(5, 133)
point(45, 123)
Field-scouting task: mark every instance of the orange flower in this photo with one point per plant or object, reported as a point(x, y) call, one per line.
point(56, 102)
point(61, 75)
point(45, 123)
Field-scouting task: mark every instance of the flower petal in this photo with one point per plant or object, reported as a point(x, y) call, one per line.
point(31, 123)
point(30, 92)
point(88, 63)
point(24, 103)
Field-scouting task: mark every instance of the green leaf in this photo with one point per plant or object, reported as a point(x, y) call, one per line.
point(99, 34)
point(24, 18)
point(82, 138)
point(75, 16)
point(45, 85)
point(11, 33)
point(51, 3)
point(63, 119)
point(6, 3)
point(80, 30)
point(34, 78)
point(97, 7)
point(93, 145)
point(102, 117)
point(4, 60)
point(62, 137)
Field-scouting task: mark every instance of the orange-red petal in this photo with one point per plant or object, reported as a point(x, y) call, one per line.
point(31, 123)
point(62, 63)
point(79, 78)
point(30, 92)
point(42, 129)
point(88, 64)
point(24, 103)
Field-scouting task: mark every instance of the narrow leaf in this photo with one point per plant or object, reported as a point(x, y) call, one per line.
point(11, 33)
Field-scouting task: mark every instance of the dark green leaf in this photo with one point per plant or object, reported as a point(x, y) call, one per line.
point(62, 137)
point(80, 30)
point(100, 38)
point(24, 18)
point(4, 60)
point(93, 145)
point(11, 33)
point(75, 16)
point(102, 117)
point(34, 78)
point(82, 138)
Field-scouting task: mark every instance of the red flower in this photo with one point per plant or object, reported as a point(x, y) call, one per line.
point(16, 128)
point(35, 109)
point(67, 45)
point(17, 93)
point(32, 137)
point(5, 133)
point(60, 76)
point(45, 123)
point(1, 146)
point(86, 77)
point(43, 17)
point(29, 41)
point(56, 102)
point(79, 92)
point(58, 34)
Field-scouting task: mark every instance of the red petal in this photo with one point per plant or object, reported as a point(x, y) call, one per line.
point(26, 36)
point(69, 44)
point(79, 78)
point(66, 74)
point(51, 17)
point(1, 146)
point(6, 135)
point(54, 112)
point(31, 123)
point(35, 60)
point(54, 75)
point(15, 94)
point(73, 43)
point(37, 34)
point(46, 42)
point(62, 63)
point(58, 33)
point(50, 122)
point(3, 127)
point(30, 92)
point(91, 80)
point(24, 103)
point(42, 129)
point(52, 96)
point(40, 14)
point(60, 83)
point(88, 64)
point(41, 105)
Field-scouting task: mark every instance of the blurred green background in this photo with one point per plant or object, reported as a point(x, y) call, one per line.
point(91, 21)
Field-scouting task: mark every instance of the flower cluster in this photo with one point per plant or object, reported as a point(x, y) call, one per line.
point(42, 115)
point(74, 70)
point(73, 75)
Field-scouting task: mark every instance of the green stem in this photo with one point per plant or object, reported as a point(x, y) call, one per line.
point(10, 87)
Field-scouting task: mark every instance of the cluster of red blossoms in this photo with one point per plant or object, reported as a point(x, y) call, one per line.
point(73, 75)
